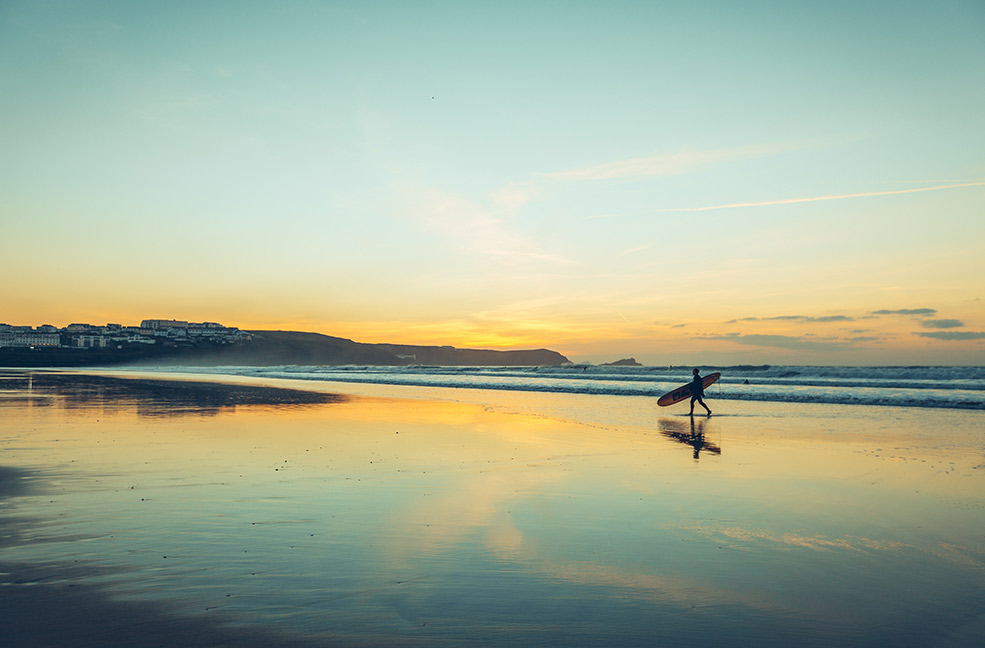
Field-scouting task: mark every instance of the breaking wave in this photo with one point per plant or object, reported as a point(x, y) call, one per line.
point(936, 387)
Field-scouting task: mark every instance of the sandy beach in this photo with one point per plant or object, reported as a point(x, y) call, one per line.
point(143, 510)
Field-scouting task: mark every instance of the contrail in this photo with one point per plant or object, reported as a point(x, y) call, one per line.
point(790, 201)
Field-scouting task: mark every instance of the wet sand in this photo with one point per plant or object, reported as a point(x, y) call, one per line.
point(144, 512)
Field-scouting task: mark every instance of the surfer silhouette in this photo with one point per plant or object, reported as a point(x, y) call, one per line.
point(697, 391)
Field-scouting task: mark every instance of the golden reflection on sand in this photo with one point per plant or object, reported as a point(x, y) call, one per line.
point(474, 504)
point(819, 543)
point(661, 589)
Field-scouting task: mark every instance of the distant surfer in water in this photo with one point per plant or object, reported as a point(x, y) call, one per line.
point(697, 391)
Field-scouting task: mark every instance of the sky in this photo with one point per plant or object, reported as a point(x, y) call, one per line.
point(678, 182)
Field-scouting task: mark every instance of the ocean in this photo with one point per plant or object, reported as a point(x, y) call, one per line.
point(932, 387)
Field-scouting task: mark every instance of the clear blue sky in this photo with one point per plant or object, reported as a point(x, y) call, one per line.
point(505, 174)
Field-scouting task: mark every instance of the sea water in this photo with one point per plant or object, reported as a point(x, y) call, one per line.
point(934, 387)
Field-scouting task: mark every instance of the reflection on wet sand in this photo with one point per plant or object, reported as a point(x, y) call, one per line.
point(692, 434)
point(147, 397)
point(415, 522)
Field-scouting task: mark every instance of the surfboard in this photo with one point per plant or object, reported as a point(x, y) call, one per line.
point(684, 391)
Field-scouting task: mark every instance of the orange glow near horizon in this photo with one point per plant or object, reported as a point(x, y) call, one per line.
point(850, 337)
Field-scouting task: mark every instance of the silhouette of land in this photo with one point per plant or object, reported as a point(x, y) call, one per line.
point(266, 348)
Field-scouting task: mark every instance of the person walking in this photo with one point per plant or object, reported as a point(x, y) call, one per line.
point(697, 391)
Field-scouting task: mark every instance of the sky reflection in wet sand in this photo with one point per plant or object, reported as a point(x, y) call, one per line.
point(375, 519)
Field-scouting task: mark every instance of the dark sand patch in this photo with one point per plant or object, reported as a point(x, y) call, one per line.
point(14, 482)
point(59, 605)
point(156, 397)
point(50, 606)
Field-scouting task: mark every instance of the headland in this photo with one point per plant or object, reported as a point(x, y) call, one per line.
point(175, 342)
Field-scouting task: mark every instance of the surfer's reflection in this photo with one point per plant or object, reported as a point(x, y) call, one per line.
point(693, 435)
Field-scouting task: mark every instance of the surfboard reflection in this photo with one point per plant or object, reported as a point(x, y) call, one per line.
point(692, 434)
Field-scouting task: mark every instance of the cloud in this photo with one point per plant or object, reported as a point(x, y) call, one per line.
point(953, 335)
point(638, 248)
point(473, 227)
point(907, 311)
point(801, 318)
point(790, 201)
point(804, 343)
point(667, 164)
point(942, 323)
point(514, 195)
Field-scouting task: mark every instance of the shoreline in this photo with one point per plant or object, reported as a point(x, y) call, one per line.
point(931, 388)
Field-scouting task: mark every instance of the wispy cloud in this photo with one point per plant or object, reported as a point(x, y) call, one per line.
point(634, 250)
point(514, 195)
point(952, 336)
point(480, 229)
point(791, 201)
point(669, 163)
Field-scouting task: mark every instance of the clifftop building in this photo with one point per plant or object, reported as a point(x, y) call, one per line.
point(150, 331)
point(157, 324)
point(27, 337)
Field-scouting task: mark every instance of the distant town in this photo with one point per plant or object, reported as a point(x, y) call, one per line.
point(178, 343)
point(164, 333)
